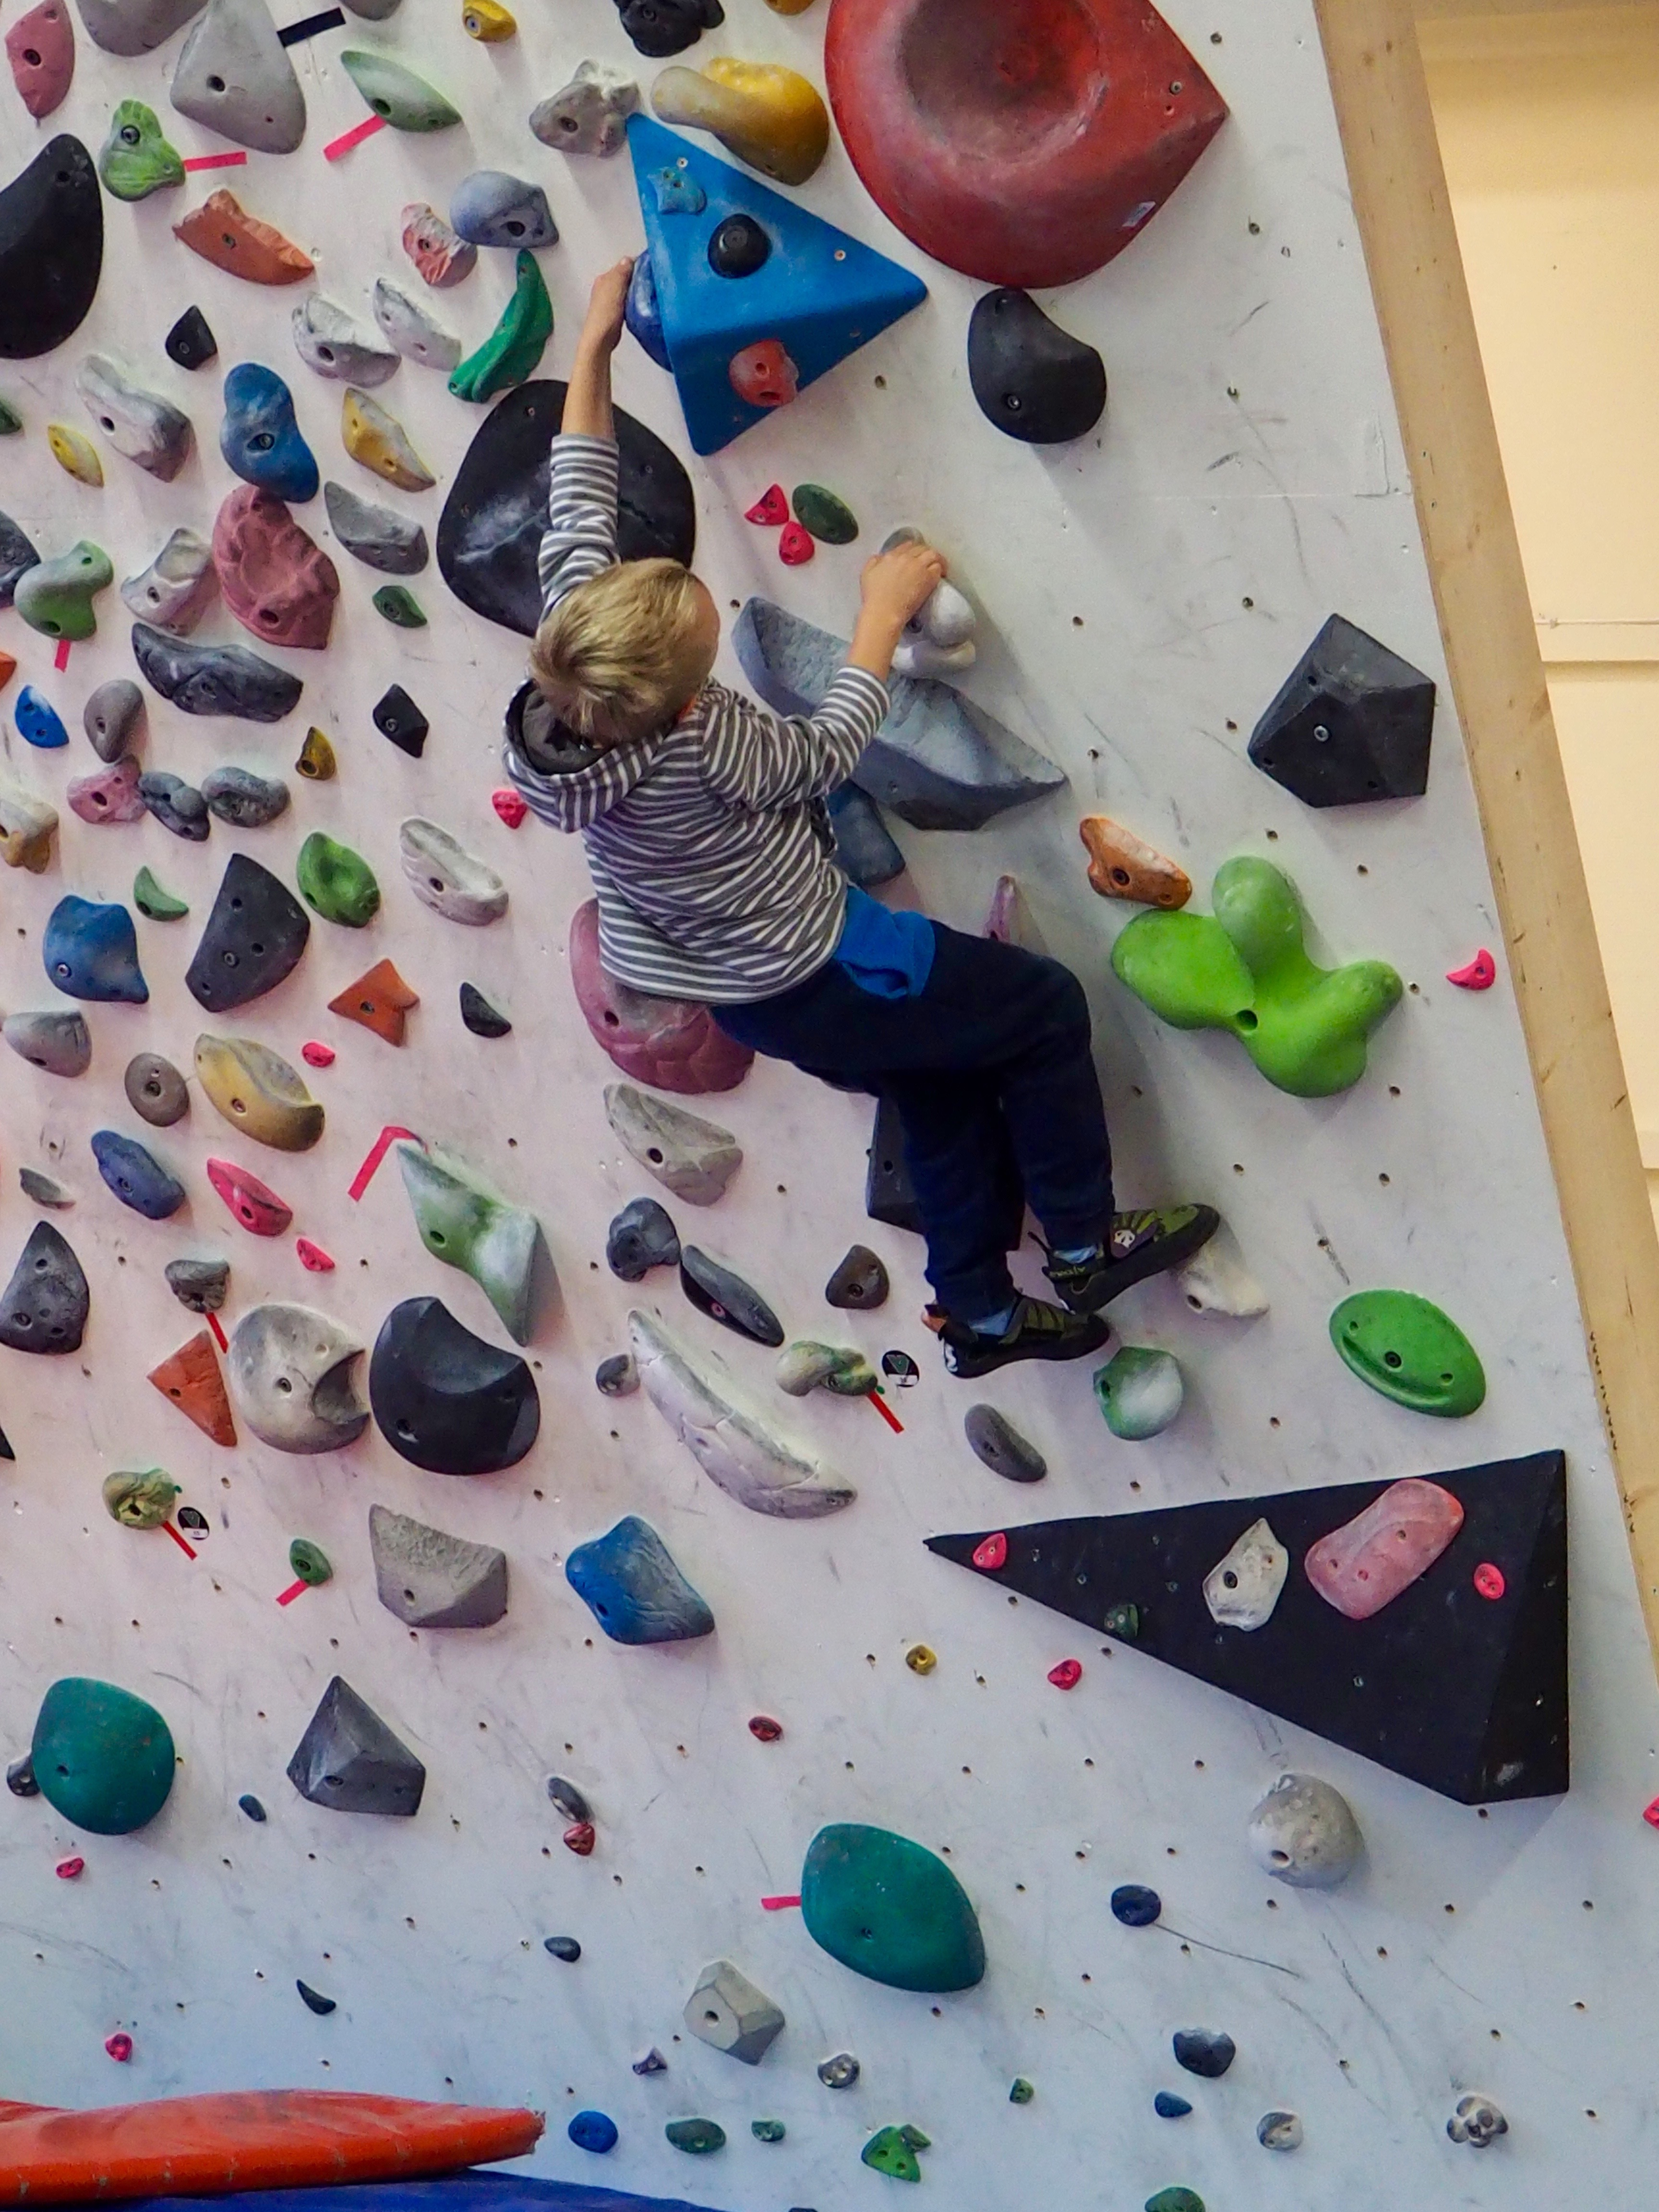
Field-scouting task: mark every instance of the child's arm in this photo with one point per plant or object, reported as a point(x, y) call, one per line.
point(580, 540)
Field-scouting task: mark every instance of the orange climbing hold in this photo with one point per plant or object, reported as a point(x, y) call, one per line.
point(222, 232)
point(764, 375)
point(7, 668)
point(191, 1380)
point(1121, 866)
point(379, 1001)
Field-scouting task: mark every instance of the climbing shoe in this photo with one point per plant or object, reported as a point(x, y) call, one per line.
point(1149, 1242)
point(1036, 1332)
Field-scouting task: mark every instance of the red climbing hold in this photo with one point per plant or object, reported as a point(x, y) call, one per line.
point(992, 1553)
point(119, 2046)
point(796, 546)
point(581, 1839)
point(764, 1728)
point(313, 1256)
point(510, 805)
point(254, 1204)
point(1489, 1581)
point(67, 1869)
point(1068, 1674)
point(764, 375)
point(1651, 1814)
point(770, 510)
point(1480, 976)
point(317, 1055)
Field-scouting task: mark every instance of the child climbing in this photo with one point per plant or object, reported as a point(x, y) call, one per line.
point(712, 854)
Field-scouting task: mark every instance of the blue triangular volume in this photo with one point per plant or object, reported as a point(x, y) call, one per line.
point(820, 293)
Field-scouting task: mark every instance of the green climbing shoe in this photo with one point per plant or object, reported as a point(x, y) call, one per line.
point(1147, 1242)
point(1037, 1332)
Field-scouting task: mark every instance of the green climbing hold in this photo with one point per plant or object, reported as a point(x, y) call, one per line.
point(822, 516)
point(465, 1225)
point(766, 2130)
point(1140, 1391)
point(337, 883)
point(698, 2136)
point(1022, 2091)
point(150, 899)
point(11, 420)
point(103, 1757)
point(55, 596)
point(890, 1910)
point(136, 159)
point(1175, 2200)
point(309, 1562)
point(1122, 1621)
point(1410, 1352)
point(1244, 968)
point(142, 1500)
point(399, 605)
point(398, 96)
point(513, 347)
point(892, 2151)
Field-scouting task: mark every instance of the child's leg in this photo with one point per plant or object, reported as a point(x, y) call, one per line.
point(956, 1147)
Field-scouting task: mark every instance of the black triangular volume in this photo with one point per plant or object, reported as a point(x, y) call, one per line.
point(6, 1451)
point(1463, 1692)
point(1353, 723)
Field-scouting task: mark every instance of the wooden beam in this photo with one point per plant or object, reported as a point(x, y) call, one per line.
point(1404, 219)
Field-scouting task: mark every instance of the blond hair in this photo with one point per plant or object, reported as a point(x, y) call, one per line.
point(620, 656)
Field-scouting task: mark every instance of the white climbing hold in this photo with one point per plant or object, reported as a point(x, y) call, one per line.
point(445, 876)
point(694, 1159)
point(409, 326)
point(726, 2010)
point(329, 339)
point(1477, 2121)
point(174, 592)
point(1242, 1588)
point(291, 1374)
point(26, 822)
point(141, 424)
point(1217, 1281)
point(938, 640)
point(1303, 1832)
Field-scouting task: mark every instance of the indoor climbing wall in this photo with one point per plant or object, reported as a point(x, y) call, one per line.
point(506, 1739)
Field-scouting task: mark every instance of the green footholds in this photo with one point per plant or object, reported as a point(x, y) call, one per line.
point(1244, 968)
point(890, 1910)
point(822, 516)
point(1410, 1352)
point(892, 2151)
point(150, 899)
point(1175, 2200)
point(1122, 1621)
point(698, 2136)
point(399, 605)
point(1022, 2093)
point(136, 159)
point(10, 421)
point(337, 883)
point(398, 96)
point(103, 1757)
point(139, 1500)
point(513, 347)
point(1140, 1391)
point(465, 1225)
point(55, 596)
point(310, 1562)
point(766, 2130)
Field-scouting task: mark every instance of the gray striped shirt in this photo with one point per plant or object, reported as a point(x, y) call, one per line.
point(708, 842)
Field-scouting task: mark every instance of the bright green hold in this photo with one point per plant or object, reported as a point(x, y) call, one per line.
point(766, 2130)
point(1410, 1352)
point(513, 347)
point(1022, 2093)
point(822, 516)
point(11, 420)
point(150, 899)
point(103, 1757)
point(398, 96)
point(698, 2136)
point(139, 1500)
point(399, 605)
point(55, 596)
point(337, 883)
point(890, 1910)
point(310, 1562)
point(136, 159)
point(1244, 968)
point(465, 1225)
point(892, 2151)
point(1175, 2200)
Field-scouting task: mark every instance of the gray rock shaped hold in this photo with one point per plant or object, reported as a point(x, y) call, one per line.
point(199, 1285)
point(44, 1189)
point(379, 536)
point(176, 804)
point(859, 1284)
point(431, 1580)
point(244, 799)
point(112, 717)
point(290, 1373)
point(1242, 1589)
point(329, 339)
point(409, 326)
point(351, 1761)
point(58, 1041)
point(134, 27)
point(174, 592)
point(156, 1090)
point(840, 2070)
point(445, 876)
point(213, 679)
point(629, 1582)
point(17, 555)
point(234, 75)
point(590, 114)
point(1204, 2051)
point(1303, 1832)
point(617, 1376)
point(141, 424)
point(1477, 2121)
point(493, 209)
point(726, 2010)
point(992, 1438)
point(724, 1296)
point(694, 1159)
point(44, 1306)
point(640, 1237)
point(1278, 2131)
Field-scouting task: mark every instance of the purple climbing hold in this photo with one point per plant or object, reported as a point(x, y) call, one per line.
point(1136, 1906)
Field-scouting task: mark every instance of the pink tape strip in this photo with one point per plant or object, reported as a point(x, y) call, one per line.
point(377, 1151)
point(216, 162)
point(354, 136)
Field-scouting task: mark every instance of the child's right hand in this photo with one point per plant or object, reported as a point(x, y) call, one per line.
point(607, 307)
point(898, 584)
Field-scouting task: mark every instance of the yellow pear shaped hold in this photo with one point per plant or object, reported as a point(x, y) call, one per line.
point(488, 21)
point(77, 454)
point(258, 1093)
point(767, 115)
point(378, 440)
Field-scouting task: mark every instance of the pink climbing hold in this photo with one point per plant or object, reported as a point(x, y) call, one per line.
point(1489, 1581)
point(254, 1204)
point(313, 1256)
point(67, 1869)
point(511, 805)
point(1068, 1674)
point(770, 510)
point(581, 1839)
point(1002, 915)
point(119, 2046)
point(670, 1043)
point(317, 1055)
point(795, 546)
point(765, 1729)
point(992, 1553)
point(1480, 976)
point(1649, 1813)
point(40, 47)
point(1365, 1564)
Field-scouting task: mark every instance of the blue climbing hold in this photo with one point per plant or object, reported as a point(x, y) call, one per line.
point(820, 296)
point(259, 437)
point(630, 1584)
point(645, 311)
point(39, 722)
point(249, 1803)
point(593, 2131)
point(90, 951)
point(865, 851)
point(1169, 2107)
point(1134, 1907)
point(135, 1175)
point(676, 191)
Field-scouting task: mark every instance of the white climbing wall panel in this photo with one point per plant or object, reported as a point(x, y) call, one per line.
point(1144, 595)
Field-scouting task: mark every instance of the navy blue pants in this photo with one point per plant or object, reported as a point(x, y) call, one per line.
point(991, 1056)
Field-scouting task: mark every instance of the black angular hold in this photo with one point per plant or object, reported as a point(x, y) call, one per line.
point(315, 2000)
point(349, 1760)
point(866, 852)
point(480, 1016)
point(213, 679)
point(1205, 2051)
point(19, 1778)
point(445, 1400)
point(17, 554)
point(1032, 380)
point(254, 937)
point(640, 1237)
point(46, 1304)
point(1355, 723)
point(889, 1195)
point(190, 343)
point(397, 717)
point(725, 1296)
point(1462, 1692)
point(661, 28)
point(52, 249)
point(738, 247)
point(6, 1451)
point(491, 527)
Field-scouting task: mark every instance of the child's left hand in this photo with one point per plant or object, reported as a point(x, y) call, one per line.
point(607, 307)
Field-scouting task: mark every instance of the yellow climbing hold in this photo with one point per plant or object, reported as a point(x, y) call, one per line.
point(488, 21)
point(767, 115)
point(376, 438)
point(921, 1659)
point(316, 759)
point(789, 7)
point(76, 453)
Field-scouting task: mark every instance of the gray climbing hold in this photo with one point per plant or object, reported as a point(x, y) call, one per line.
point(493, 209)
point(725, 1297)
point(1204, 2051)
point(213, 679)
point(329, 339)
point(141, 424)
point(176, 804)
point(563, 1947)
point(1242, 1590)
point(45, 1189)
point(409, 326)
point(58, 1041)
point(234, 75)
point(156, 1090)
point(244, 799)
point(200, 1284)
point(617, 1376)
point(44, 1306)
point(290, 1372)
point(651, 2062)
point(351, 1761)
point(17, 557)
point(380, 537)
point(938, 762)
point(590, 114)
point(431, 1580)
point(859, 1284)
point(839, 2072)
point(445, 876)
point(134, 27)
point(19, 1778)
point(1278, 2131)
point(174, 592)
point(1477, 2121)
point(994, 1439)
point(112, 717)
point(640, 1237)
point(694, 1159)
point(725, 2010)
point(137, 1177)
point(1303, 1832)
point(629, 1582)
point(568, 1800)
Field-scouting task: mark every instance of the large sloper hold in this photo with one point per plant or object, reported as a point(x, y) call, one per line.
point(375, 535)
point(349, 1760)
point(490, 531)
point(43, 1307)
point(276, 580)
point(817, 297)
point(174, 591)
point(463, 1223)
point(134, 27)
point(733, 1445)
point(40, 48)
point(57, 1039)
point(52, 249)
point(629, 1582)
point(260, 436)
point(1444, 1686)
point(432, 1580)
point(291, 1377)
point(445, 876)
point(141, 424)
point(694, 1159)
point(103, 1758)
point(258, 1093)
point(1354, 722)
point(254, 937)
point(90, 951)
point(213, 679)
point(768, 116)
point(191, 1379)
point(725, 2010)
point(445, 1400)
point(672, 1044)
point(1033, 381)
point(890, 1910)
point(234, 75)
point(938, 761)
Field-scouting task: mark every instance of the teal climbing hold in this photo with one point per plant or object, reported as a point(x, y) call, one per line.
point(1410, 1352)
point(697, 2137)
point(103, 1757)
point(1244, 968)
point(1175, 2200)
point(1140, 1391)
point(890, 1910)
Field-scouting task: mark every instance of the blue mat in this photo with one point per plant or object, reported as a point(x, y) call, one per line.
point(471, 2192)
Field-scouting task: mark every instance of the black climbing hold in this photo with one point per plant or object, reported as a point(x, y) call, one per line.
point(738, 247)
point(1204, 2051)
point(865, 851)
point(1353, 723)
point(46, 1304)
point(254, 936)
point(249, 1803)
point(1169, 2107)
point(563, 1947)
point(617, 1376)
point(480, 1016)
point(1032, 380)
point(6, 1451)
point(1466, 1696)
point(1135, 1906)
point(52, 249)
point(490, 531)
point(567, 1799)
point(17, 555)
point(640, 1237)
point(349, 1760)
point(213, 679)
point(994, 1439)
point(190, 341)
point(397, 717)
point(725, 1297)
point(889, 1196)
point(445, 1400)
point(859, 1284)
point(661, 28)
point(315, 1999)
point(19, 1778)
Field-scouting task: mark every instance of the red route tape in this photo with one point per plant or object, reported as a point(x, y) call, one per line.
point(354, 136)
point(377, 1151)
point(186, 1548)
